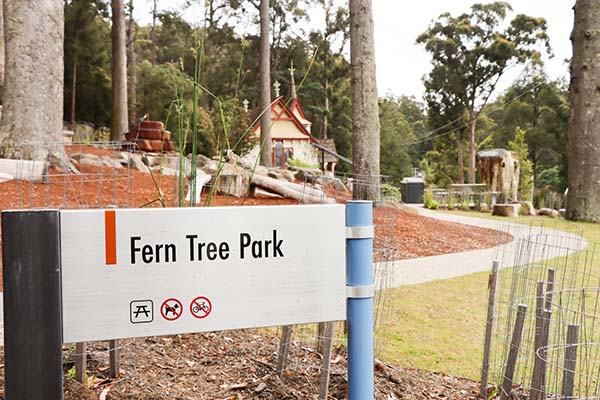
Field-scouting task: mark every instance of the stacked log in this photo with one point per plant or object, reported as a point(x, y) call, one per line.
point(150, 136)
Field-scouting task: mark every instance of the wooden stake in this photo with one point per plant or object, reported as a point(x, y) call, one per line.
point(539, 318)
point(284, 344)
point(570, 361)
point(326, 364)
point(114, 353)
point(487, 347)
point(511, 362)
point(544, 336)
point(80, 362)
point(549, 289)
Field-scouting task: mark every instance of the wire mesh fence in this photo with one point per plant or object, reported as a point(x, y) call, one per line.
point(555, 273)
point(90, 175)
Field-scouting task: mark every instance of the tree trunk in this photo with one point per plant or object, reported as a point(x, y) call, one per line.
point(583, 199)
point(132, 84)
point(74, 90)
point(153, 36)
point(2, 48)
point(365, 114)
point(119, 123)
point(472, 147)
point(459, 152)
point(265, 87)
point(34, 78)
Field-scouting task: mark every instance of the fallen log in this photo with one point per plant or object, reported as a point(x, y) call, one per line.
point(287, 189)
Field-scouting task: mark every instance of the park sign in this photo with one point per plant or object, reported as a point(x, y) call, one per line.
point(147, 272)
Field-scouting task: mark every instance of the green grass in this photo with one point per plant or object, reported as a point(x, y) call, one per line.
point(439, 326)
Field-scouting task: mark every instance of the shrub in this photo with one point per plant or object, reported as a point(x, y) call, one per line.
point(429, 202)
point(464, 206)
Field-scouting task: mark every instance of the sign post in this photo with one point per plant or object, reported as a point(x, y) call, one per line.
point(359, 280)
point(32, 307)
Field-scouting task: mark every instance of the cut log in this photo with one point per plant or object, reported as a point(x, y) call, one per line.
point(154, 145)
point(287, 189)
point(506, 210)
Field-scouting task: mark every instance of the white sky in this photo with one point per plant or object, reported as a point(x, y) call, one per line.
point(401, 63)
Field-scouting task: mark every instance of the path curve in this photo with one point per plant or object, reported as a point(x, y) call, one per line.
point(427, 269)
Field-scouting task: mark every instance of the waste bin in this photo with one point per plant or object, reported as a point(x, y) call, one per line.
point(412, 190)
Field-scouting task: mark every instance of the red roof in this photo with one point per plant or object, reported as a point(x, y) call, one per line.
point(287, 113)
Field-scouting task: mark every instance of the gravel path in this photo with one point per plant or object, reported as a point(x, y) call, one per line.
point(427, 269)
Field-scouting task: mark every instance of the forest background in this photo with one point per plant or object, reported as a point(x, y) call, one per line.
point(530, 117)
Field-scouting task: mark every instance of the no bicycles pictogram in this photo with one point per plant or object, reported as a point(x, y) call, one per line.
point(200, 307)
point(171, 309)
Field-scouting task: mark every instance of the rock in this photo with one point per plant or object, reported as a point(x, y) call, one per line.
point(308, 175)
point(547, 212)
point(506, 210)
point(112, 162)
point(83, 133)
point(88, 159)
point(135, 161)
point(260, 170)
point(165, 170)
point(527, 208)
point(274, 175)
point(483, 207)
point(563, 212)
point(288, 175)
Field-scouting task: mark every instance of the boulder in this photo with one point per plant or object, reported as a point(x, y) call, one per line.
point(483, 207)
point(136, 162)
point(274, 174)
point(288, 175)
point(506, 210)
point(549, 212)
point(88, 159)
point(527, 208)
point(83, 133)
point(563, 212)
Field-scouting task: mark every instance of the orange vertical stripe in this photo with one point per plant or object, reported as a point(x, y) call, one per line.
point(110, 236)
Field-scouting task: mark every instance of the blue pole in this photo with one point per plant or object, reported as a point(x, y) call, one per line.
point(359, 280)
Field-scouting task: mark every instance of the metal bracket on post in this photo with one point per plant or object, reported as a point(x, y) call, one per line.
point(32, 305)
point(360, 291)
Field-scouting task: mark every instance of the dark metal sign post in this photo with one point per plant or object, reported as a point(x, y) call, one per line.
point(32, 305)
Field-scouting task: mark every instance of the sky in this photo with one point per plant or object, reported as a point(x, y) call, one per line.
point(401, 64)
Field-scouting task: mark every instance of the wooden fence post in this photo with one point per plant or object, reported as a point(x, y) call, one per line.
point(32, 305)
point(570, 361)
point(487, 347)
point(536, 389)
point(80, 362)
point(326, 364)
point(114, 358)
point(511, 362)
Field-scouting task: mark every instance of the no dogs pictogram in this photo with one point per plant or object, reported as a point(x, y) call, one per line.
point(200, 307)
point(171, 309)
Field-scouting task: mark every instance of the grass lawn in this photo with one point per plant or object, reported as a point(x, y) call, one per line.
point(439, 326)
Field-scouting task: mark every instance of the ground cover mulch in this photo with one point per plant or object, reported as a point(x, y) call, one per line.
point(240, 364)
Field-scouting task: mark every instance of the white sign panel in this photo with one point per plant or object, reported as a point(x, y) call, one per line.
point(146, 272)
